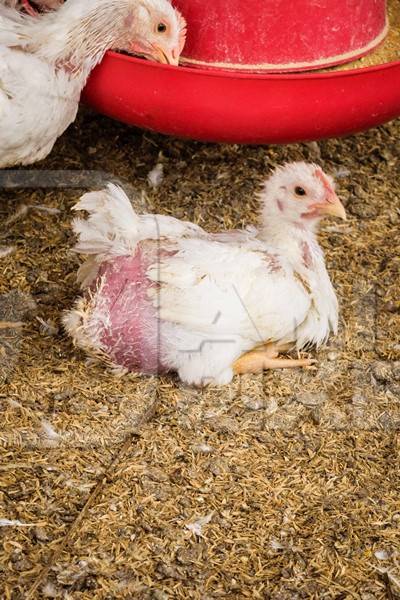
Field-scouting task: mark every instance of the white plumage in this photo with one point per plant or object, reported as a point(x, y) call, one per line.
point(45, 62)
point(165, 294)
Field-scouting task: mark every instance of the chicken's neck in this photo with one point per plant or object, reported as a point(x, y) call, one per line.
point(77, 36)
point(298, 244)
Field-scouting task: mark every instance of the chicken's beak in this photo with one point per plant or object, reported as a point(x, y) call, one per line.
point(333, 207)
point(331, 204)
point(165, 55)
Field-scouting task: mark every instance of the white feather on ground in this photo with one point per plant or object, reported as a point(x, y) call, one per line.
point(14, 523)
point(196, 527)
point(156, 176)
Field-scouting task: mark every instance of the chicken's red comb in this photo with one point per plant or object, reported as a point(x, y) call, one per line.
point(325, 181)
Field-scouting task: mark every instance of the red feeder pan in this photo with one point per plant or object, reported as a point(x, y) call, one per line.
point(277, 35)
point(239, 107)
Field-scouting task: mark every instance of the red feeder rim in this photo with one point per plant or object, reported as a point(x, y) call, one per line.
point(280, 36)
point(235, 106)
point(225, 106)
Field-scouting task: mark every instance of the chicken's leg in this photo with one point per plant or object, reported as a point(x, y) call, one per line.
point(266, 357)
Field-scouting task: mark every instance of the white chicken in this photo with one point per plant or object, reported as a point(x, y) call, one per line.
point(45, 62)
point(164, 295)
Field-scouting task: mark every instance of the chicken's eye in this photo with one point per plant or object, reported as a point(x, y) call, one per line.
point(161, 27)
point(299, 191)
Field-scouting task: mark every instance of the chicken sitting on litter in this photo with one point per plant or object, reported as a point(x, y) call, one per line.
point(40, 87)
point(31, 8)
point(164, 295)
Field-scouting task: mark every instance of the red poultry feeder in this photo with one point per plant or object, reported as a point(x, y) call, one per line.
point(228, 92)
point(278, 35)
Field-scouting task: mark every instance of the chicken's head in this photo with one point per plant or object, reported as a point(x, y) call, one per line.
point(156, 31)
point(300, 194)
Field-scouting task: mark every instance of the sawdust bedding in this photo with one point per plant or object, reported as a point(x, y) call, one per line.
point(281, 486)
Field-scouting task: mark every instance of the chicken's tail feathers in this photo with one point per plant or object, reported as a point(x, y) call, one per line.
point(112, 225)
point(111, 228)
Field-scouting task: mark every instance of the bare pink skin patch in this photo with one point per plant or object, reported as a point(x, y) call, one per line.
point(273, 263)
point(306, 255)
point(129, 20)
point(131, 332)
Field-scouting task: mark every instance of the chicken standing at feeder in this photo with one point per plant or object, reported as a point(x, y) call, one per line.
point(40, 87)
point(164, 295)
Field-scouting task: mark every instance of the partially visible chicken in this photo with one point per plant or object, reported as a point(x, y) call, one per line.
point(164, 295)
point(44, 63)
point(30, 7)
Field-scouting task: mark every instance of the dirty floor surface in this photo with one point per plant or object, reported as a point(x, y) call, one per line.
point(281, 486)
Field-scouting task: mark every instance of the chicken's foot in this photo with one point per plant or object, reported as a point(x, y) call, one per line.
point(266, 357)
